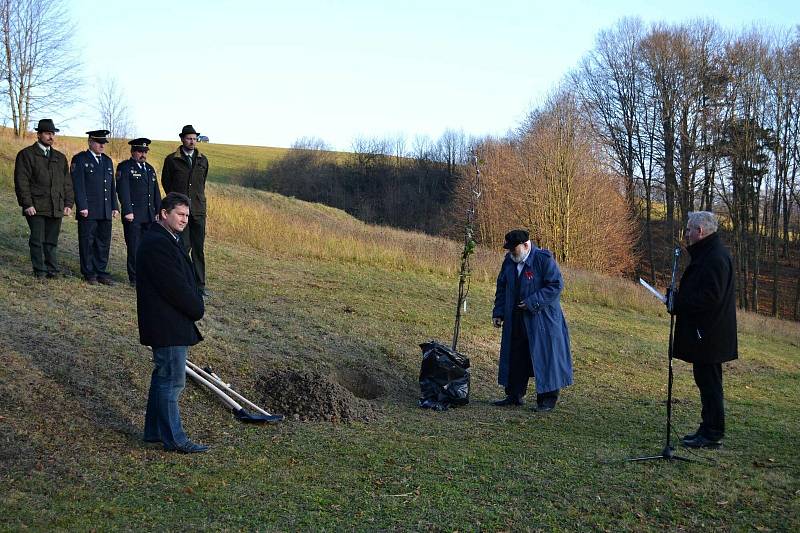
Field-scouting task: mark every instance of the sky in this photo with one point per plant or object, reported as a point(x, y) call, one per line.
point(268, 73)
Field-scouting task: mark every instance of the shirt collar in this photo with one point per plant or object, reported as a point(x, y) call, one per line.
point(43, 147)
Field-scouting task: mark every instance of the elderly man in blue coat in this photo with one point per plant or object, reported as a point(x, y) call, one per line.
point(535, 338)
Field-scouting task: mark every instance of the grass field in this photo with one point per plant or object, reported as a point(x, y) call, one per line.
point(302, 286)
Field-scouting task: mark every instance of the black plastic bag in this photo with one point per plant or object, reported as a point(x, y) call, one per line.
point(443, 377)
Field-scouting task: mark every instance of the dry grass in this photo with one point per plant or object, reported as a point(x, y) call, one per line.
point(286, 226)
point(289, 227)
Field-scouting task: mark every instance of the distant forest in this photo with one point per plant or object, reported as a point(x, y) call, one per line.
point(654, 122)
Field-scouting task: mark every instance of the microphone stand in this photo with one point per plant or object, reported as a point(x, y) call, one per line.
point(668, 452)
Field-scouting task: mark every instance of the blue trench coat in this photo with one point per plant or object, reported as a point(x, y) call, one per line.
point(548, 335)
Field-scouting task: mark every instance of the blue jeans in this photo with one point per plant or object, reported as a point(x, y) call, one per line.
point(162, 420)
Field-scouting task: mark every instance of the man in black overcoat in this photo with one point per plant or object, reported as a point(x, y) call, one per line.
point(44, 192)
point(185, 171)
point(139, 198)
point(168, 303)
point(705, 326)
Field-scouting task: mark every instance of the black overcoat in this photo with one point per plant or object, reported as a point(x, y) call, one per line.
point(705, 305)
point(41, 182)
point(178, 176)
point(167, 299)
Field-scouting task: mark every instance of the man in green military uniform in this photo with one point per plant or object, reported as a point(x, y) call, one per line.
point(44, 191)
point(185, 171)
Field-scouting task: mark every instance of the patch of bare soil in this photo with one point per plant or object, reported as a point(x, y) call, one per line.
point(309, 396)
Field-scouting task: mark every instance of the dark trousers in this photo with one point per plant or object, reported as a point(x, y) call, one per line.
point(43, 243)
point(94, 244)
point(194, 238)
point(133, 232)
point(708, 379)
point(520, 366)
point(162, 421)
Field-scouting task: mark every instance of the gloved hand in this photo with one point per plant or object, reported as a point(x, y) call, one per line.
point(670, 303)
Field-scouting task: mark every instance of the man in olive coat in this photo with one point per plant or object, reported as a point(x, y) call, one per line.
point(168, 303)
point(44, 191)
point(185, 171)
point(139, 198)
point(705, 323)
point(535, 339)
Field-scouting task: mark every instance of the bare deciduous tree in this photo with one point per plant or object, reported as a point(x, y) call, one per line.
point(40, 68)
point(310, 143)
point(112, 110)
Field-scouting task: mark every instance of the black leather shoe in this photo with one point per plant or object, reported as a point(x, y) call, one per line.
point(508, 400)
point(106, 281)
point(701, 441)
point(544, 408)
point(691, 436)
point(188, 447)
point(91, 281)
point(52, 275)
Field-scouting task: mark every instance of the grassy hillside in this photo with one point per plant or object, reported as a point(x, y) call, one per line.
point(305, 287)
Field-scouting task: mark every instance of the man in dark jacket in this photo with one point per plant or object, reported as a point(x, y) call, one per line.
point(705, 325)
point(139, 198)
point(168, 303)
point(44, 191)
point(185, 171)
point(96, 199)
point(535, 339)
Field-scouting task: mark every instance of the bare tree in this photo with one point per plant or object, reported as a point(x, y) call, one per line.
point(112, 110)
point(39, 65)
point(310, 143)
point(452, 149)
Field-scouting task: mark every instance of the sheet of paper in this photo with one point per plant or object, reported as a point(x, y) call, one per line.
point(653, 290)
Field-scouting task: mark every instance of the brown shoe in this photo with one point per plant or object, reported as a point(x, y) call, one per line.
point(90, 281)
point(106, 281)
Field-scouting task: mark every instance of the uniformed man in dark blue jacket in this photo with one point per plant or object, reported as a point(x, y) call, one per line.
point(96, 205)
point(139, 198)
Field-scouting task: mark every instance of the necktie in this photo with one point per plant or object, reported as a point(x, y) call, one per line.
point(47, 153)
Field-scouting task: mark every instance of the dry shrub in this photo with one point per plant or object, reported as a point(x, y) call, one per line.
point(550, 179)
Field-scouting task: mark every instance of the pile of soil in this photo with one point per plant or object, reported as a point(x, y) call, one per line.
point(310, 396)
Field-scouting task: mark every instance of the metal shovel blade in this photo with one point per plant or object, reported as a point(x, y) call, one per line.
point(256, 418)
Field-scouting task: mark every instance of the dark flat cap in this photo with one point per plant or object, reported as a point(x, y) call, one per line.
point(188, 130)
point(46, 124)
point(142, 144)
point(98, 136)
point(515, 237)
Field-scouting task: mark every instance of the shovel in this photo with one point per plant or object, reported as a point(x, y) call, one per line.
point(222, 390)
